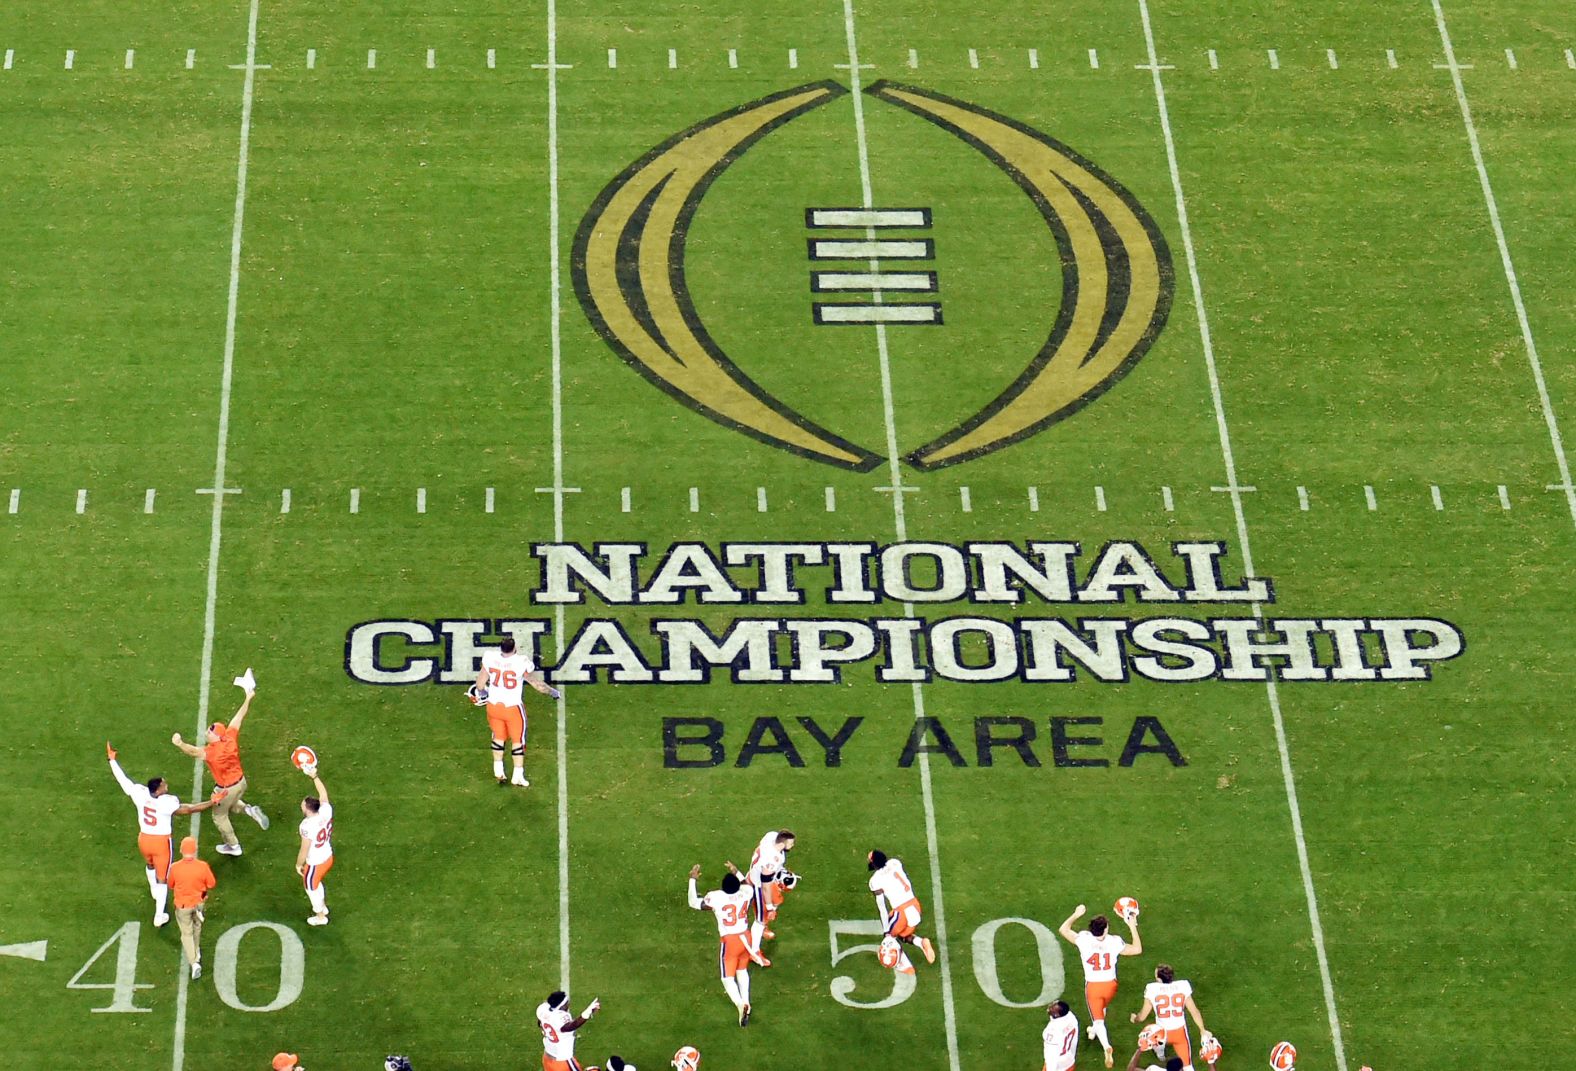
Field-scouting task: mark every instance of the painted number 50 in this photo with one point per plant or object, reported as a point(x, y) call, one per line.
point(1048, 953)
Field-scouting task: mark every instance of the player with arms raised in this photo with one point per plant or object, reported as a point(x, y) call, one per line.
point(500, 686)
point(1099, 949)
point(156, 807)
point(316, 857)
point(731, 906)
point(1060, 1037)
point(559, 1030)
point(1169, 997)
point(896, 903)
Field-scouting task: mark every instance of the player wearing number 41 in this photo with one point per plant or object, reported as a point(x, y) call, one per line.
point(899, 909)
point(1168, 997)
point(156, 807)
point(223, 756)
point(1099, 950)
point(316, 857)
point(737, 949)
point(559, 1030)
point(500, 688)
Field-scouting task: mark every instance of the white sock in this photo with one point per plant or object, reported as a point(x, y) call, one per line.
point(1098, 1026)
point(732, 989)
point(742, 980)
point(153, 883)
point(756, 929)
point(319, 900)
point(498, 767)
point(161, 893)
point(904, 964)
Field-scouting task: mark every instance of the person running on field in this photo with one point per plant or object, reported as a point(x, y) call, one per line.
point(223, 756)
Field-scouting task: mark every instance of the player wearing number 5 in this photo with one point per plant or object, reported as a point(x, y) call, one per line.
point(1168, 997)
point(156, 807)
point(316, 857)
point(500, 686)
point(1099, 949)
point(731, 905)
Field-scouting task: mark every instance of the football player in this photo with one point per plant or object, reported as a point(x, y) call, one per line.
point(769, 876)
point(1169, 997)
point(1060, 1037)
point(896, 903)
point(316, 857)
point(731, 906)
point(499, 687)
point(559, 1030)
point(1099, 949)
point(156, 807)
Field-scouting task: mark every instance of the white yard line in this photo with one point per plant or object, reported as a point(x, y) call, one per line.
point(900, 525)
point(1555, 439)
point(555, 322)
point(221, 451)
point(1224, 433)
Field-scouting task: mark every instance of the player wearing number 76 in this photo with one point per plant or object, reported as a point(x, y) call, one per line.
point(499, 687)
point(1168, 996)
point(316, 857)
point(1099, 949)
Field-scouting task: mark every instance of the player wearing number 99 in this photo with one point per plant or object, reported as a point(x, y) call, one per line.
point(731, 905)
point(499, 686)
point(1099, 950)
point(316, 857)
point(1168, 997)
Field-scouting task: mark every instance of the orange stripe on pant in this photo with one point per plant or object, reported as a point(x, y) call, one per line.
point(316, 872)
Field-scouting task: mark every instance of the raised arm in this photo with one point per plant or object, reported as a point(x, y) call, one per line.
point(1132, 1064)
point(694, 894)
point(1066, 928)
point(127, 785)
point(240, 715)
point(317, 784)
point(583, 1018)
point(1135, 947)
point(194, 752)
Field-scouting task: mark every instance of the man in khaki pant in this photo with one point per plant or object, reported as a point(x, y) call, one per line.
point(190, 879)
point(223, 756)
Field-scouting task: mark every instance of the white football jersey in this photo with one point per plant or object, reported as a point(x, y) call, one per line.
point(1170, 1002)
point(890, 881)
point(318, 831)
point(1099, 955)
point(1061, 1042)
point(153, 812)
point(506, 676)
point(768, 857)
point(732, 910)
point(558, 1043)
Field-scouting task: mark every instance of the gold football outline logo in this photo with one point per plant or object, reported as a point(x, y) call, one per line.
point(1117, 279)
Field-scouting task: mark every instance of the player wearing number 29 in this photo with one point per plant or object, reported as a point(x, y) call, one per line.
point(156, 806)
point(1099, 950)
point(316, 857)
point(559, 1030)
point(1169, 997)
point(500, 685)
point(896, 903)
point(1060, 1037)
point(737, 949)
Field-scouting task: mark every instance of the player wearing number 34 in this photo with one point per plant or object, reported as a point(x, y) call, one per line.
point(737, 948)
point(156, 806)
point(1099, 950)
point(500, 687)
point(1168, 996)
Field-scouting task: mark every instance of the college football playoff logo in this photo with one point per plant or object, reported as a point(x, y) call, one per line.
point(629, 271)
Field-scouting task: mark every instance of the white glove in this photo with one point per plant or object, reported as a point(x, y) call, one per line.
point(310, 769)
point(591, 1009)
point(554, 693)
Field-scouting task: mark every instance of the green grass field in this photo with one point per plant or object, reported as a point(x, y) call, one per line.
point(431, 292)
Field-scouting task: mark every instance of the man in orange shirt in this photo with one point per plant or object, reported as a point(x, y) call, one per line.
point(190, 879)
point(223, 756)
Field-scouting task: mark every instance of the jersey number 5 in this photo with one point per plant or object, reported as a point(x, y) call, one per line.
point(150, 817)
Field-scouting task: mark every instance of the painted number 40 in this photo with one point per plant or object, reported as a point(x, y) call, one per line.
point(1047, 951)
point(292, 968)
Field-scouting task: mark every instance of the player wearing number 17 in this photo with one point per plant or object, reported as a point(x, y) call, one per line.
point(499, 687)
point(316, 857)
point(156, 806)
point(1168, 997)
point(1099, 949)
point(898, 906)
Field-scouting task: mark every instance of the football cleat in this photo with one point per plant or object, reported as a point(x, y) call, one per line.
point(477, 694)
point(889, 952)
point(1283, 1057)
point(926, 947)
point(686, 1059)
point(1127, 907)
point(744, 1015)
point(161, 918)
